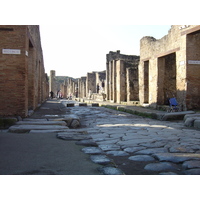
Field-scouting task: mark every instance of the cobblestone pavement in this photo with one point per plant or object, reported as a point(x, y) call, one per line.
point(108, 142)
point(138, 145)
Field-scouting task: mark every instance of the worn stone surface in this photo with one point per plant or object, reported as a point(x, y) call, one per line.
point(92, 150)
point(177, 157)
point(152, 151)
point(61, 123)
point(68, 136)
point(197, 123)
point(100, 159)
point(110, 171)
point(27, 128)
point(109, 147)
point(162, 166)
point(118, 153)
point(191, 164)
point(144, 158)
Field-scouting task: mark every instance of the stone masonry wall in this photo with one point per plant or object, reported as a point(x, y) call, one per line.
point(23, 83)
point(165, 69)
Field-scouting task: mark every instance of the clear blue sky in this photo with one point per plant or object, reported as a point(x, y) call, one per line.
point(77, 35)
point(79, 49)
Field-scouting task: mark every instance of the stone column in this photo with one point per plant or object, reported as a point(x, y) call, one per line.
point(121, 81)
point(114, 80)
point(107, 81)
point(52, 82)
point(110, 81)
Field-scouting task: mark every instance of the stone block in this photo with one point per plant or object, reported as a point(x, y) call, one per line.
point(95, 105)
point(176, 115)
point(197, 123)
point(27, 128)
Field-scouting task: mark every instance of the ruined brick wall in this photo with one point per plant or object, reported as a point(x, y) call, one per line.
point(116, 76)
point(22, 78)
point(132, 84)
point(91, 82)
point(164, 69)
point(82, 87)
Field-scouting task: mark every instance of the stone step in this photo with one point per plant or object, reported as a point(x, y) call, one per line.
point(27, 128)
point(60, 123)
point(176, 115)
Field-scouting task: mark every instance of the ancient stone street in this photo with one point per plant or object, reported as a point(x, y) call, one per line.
point(114, 142)
point(140, 145)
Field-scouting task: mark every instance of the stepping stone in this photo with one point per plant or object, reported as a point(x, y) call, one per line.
point(60, 123)
point(46, 131)
point(27, 128)
point(31, 119)
point(92, 150)
point(110, 171)
point(144, 158)
point(162, 166)
point(100, 159)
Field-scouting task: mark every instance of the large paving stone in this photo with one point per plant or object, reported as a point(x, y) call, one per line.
point(60, 123)
point(197, 123)
point(162, 166)
point(133, 149)
point(110, 171)
point(177, 157)
point(100, 159)
point(191, 116)
point(118, 153)
point(144, 158)
point(92, 150)
point(152, 151)
point(109, 147)
point(191, 164)
point(27, 128)
point(68, 136)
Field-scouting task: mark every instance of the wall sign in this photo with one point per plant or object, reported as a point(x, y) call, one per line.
point(194, 62)
point(11, 51)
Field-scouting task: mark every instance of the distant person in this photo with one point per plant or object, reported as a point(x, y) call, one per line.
point(51, 93)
